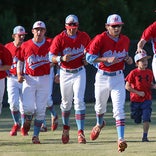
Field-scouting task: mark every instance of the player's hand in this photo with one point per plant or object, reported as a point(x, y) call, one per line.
point(57, 78)
point(84, 61)
point(112, 60)
point(66, 57)
point(20, 78)
point(140, 93)
point(140, 50)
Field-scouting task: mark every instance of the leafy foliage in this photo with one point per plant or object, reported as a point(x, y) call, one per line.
point(136, 15)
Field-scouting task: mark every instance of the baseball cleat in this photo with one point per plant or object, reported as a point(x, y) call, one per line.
point(23, 132)
point(35, 140)
point(14, 130)
point(145, 140)
point(96, 131)
point(54, 123)
point(65, 134)
point(43, 128)
point(81, 137)
point(122, 145)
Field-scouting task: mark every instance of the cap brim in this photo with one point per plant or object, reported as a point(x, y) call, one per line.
point(71, 27)
point(21, 33)
point(117, 23)
point(147, 57)
point(39, 27)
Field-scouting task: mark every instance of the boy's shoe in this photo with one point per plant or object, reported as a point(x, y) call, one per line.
point(96, 131)
point(14, 129)
point(35, 140)
point(54, 123)
point(43, 128)
point(23, 132)
point(122, 145)
point(81, 137)
point(145, 140)
point(65, 134)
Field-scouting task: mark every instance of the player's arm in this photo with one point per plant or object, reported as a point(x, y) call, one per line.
point(130, 89)
point(128, 59)
point(58, 59)
point(140, 45)
point(20, 66)
point(4, 67)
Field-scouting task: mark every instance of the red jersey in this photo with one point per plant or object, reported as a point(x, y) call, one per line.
point(150, 34)
point(104, 46)
point(62, 44)
point(14, 52)
point(5, 59)
point(35, 58)
point(140, 80)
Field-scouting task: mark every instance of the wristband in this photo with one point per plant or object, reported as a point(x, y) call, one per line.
point(58, 59)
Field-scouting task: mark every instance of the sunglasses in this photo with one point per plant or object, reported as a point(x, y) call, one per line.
point(116, 26)
point(72, 24)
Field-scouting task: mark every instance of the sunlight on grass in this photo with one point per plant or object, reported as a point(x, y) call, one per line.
point(51, 141)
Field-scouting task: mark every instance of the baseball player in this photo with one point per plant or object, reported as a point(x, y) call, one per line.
point(109, 50)
point(139, 83)
point(149, 34)
point(34, 56)
point(5, 64)
point(68, 50)
point(14, 88)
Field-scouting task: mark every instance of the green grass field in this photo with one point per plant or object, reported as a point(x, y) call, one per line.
point(105, 145)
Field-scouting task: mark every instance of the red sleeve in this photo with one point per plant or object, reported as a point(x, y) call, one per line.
point(149, 32)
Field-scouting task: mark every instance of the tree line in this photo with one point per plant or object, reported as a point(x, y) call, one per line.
point(92, 14)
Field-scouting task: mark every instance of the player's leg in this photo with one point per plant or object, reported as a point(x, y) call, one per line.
point(79, 104)
point(146, 116)
point(154, 66)
point(41, 96)
point(13, 100)
point(101, 97)
point(118, 95)
point(66, 88)
point(2, 84)
point(28, 103)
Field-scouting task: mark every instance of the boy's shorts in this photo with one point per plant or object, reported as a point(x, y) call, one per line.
point(141, 111)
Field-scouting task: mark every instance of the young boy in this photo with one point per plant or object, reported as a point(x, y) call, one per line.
point(139, 83)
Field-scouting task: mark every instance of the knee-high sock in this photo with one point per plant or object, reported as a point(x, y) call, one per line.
point(65, 117)
point(120, 126)
point(99, 118)
point(37, 126)
point(52, 111)
point(80, 119)
point(15, 116)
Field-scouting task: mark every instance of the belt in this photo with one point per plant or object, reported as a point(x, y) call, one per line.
point(111, 73)
point(72, 70)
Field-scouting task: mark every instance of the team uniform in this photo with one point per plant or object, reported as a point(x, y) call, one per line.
point(5, 59)
point(36, 84)
point(141, 106)
point(72, 77)
point(14, 89)
point(150, 34)
point(109, 79)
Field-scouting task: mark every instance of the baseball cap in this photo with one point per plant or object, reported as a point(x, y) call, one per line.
point(114, 19)
point(39, 24)
point(140, 56)
point(71, 21)
point(19, 30)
